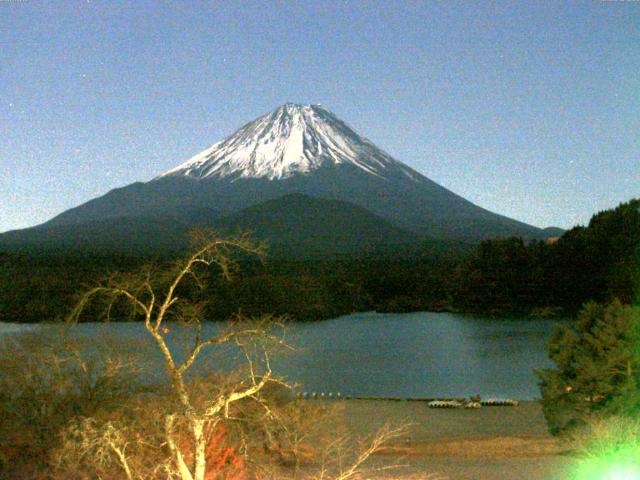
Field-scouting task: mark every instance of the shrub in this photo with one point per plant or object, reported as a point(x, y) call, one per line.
point(45, 382)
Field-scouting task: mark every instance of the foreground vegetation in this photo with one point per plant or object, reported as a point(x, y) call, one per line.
point(84, 411)
point(597, 367)
point(592, 396)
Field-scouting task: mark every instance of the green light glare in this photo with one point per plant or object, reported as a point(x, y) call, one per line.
point(621, 464)
point(622, 473)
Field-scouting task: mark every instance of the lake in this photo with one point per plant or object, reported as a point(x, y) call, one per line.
point(412, 355)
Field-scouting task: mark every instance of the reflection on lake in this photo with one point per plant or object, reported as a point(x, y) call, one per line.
point(395, 355)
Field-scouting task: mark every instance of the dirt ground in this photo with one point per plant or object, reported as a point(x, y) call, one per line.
point(496, 443)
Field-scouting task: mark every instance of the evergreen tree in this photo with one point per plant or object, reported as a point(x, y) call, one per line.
point(598, 367)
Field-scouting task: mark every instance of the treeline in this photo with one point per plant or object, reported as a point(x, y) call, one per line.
point(598, 262)
point(44, 287)
point(325, 289)
point(497, 277)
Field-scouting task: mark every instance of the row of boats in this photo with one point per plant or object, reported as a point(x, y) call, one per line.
point(473, 402)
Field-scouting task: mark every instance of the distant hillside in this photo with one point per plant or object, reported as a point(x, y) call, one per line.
point(133, 235)
point(305, 225)
point(294, 224)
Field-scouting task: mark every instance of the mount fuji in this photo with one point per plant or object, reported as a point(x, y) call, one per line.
point(303, 151)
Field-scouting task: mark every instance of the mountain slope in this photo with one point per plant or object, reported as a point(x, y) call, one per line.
point(307, 150)
point(314, 226)
point(293, 224)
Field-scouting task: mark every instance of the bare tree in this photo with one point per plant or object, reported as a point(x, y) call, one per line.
point(157, 298)
point(157, 305)
point(340, 461)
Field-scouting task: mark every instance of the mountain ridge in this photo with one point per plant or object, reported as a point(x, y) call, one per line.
point(330, 161)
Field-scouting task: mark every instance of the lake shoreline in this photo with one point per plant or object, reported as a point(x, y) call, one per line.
point(492, 442)
point(546, 313)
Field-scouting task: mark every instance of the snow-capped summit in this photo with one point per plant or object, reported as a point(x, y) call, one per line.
point(293, 139)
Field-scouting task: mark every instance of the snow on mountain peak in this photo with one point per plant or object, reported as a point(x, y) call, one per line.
point(293, 139)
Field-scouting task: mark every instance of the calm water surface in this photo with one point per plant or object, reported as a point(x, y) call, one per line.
point(397, 355)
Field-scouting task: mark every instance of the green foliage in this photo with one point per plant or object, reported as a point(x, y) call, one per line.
point(598, 262)
point(501, 276)
point(43, 287)
point(597, 367)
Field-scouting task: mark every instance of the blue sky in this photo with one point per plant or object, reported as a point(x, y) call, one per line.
point(529, 109)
